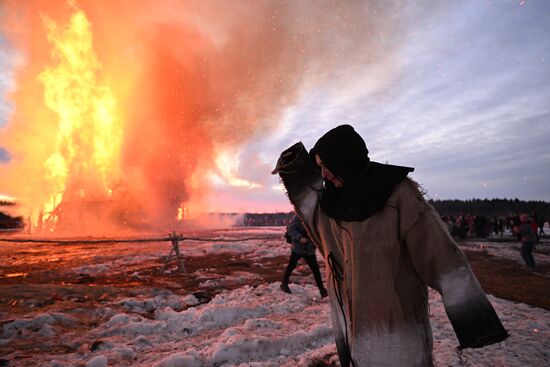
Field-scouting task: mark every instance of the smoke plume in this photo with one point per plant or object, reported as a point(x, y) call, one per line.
point(188, 79)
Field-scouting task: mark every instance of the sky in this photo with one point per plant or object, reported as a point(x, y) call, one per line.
point(462, 95)
point(468, 105)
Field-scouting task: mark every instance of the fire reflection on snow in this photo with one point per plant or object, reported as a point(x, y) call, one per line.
point(242, 318)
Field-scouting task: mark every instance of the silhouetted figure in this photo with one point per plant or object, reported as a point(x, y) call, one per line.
point(463, 228)
point(302, 248)
point(528, 237)
point(500, 226)
point(494, 225)
point(541, 226)
point(480, 222)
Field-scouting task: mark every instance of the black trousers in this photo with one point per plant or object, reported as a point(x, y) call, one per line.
point(311, 261)
point(527, 254)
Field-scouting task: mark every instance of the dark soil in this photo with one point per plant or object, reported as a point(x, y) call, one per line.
point(49, 285)
point(506, 279)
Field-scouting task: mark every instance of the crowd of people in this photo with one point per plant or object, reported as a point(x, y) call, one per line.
point(479, 226)
point(527, 229)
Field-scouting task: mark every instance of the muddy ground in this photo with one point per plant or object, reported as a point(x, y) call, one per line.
point(40, 278)
point(50, 284)
point(507, 279)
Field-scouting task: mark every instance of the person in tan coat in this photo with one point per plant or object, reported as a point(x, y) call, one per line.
point(383, 245)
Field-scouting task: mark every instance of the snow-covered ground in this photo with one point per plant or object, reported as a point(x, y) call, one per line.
point(246, 326)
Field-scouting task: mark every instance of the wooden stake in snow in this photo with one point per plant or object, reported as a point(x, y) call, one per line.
point(175, 251)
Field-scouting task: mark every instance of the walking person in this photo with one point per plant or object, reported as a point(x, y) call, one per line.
point(383, 245)
point(501, 227)
point(302, 248)
point(541, 226)
point(527, 235)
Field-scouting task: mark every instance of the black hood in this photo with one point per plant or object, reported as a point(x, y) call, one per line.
point(343, 152)
point(367, 185)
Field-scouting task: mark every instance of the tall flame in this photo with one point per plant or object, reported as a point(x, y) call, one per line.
point(87, 143)
point(125, 113)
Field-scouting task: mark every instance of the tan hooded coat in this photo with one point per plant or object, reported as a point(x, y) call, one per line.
point(378, 270)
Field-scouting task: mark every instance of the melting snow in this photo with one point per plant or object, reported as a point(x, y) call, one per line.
point(247, 326)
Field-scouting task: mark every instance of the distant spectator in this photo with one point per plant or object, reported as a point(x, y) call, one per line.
point(515, 222)
point(535, 228)
point(500, 226)
point(528, 237)
point(462, 230)
point(495, 225)
point(450, 224)
point(535, 217)
point(541, 226)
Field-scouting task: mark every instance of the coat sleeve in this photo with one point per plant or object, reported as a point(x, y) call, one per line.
point(303, 183)
point(443, 266)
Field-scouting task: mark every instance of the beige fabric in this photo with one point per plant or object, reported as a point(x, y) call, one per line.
point(387, 261)
point(379, 297)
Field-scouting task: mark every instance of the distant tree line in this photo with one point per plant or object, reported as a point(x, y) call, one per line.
point(450, 208)
point(491, 207)
point(267, 219)
point(9, 222)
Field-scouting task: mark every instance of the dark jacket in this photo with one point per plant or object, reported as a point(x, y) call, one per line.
point(296, 231)
point(526, 234)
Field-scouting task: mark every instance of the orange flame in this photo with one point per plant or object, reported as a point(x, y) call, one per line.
point(124, 113)
point(87, 143)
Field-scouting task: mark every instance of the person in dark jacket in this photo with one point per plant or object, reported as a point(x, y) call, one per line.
point(528, 237)
point(302, 248)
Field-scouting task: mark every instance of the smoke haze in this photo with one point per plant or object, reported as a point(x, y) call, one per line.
point(190, 80)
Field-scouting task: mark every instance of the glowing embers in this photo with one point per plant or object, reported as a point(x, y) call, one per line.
point(14, 275)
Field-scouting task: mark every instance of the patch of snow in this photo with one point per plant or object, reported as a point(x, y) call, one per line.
point(257, 326)
point(99, 361)
point(41, 323)
point(191, 300)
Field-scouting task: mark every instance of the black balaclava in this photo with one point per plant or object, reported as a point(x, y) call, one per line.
point(367, 185)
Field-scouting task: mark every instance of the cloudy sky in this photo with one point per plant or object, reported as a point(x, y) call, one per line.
point(466, 101)
point(468, 104)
